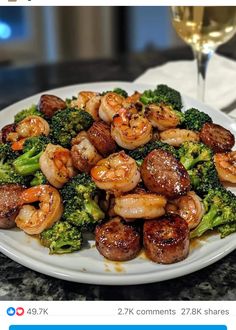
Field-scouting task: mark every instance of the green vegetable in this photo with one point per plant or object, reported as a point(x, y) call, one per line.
point(28, 162)
point(116, 90)
point(163, 94)
point(80, 196)
point(39, 178)
point(66, 124)
point(61, 238)
point(120, 91)
point(69, 100)
point(220, 209)
point(7, 171)
point(192, 153)
point(32, 111)
point(227, 229)
point(195, 119)
point(140, 153)
point(204, 177)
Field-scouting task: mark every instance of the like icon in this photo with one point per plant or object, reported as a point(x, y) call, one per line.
point(11, 311)
point(20, 311)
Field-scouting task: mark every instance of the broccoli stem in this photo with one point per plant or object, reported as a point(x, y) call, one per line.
point(62, 246)
point(91, 207)
point(28, 163)
point(190, 162)
point(209, 221)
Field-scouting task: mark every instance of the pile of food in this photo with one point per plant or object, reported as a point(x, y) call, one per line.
point(134, 170)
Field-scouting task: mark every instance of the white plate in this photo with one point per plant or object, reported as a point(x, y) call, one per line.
point(88, 266)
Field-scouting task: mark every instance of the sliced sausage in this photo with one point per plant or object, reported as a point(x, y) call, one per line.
point(163, 174)
point(118, 241)
point(9, 204)
point(217, 137)
point(49, 104)
point(166, 240)
point(100, 136)
point(5, 131)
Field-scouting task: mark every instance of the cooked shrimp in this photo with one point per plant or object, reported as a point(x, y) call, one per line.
point(111, 103)
point(84, 155)
point(56, 164)
point(132, 99)
point(140, 205)
point(83, 98)
point(90, 101)
point(30, 126)
point(189, 207)
point(34, 220)
point(116, 173)
point(176, 136)
point(130, 130)
point(162, 116)
point(226, 166)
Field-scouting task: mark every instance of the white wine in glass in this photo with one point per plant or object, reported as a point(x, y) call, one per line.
point(204, 29)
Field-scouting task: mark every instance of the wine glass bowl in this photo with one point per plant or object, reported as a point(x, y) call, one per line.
point(204, 29)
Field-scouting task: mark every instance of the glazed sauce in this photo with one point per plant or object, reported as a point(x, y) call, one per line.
point(116, 266)
point(199, 241)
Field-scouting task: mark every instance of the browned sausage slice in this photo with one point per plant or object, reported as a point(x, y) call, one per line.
point(118, 241)
point(9, 204)
point(217, 137)
point(100, 136)
point(166, 240)
point(163, 174)
point(49, 104)
point(5, 131)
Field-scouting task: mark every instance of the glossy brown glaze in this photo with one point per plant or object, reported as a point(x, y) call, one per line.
point(5, 131)
point(9, 204)
point(166, 240)
point(100, 136)
point(163, 174)
point(49, 104)
point(118, 241)
point(217, 137)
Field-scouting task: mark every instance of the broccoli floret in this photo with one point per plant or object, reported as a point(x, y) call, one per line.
point(163, 94)
point(195, 119)
point(38, 179)
point(204, 177)
point(120, 91)
point(66, 124)
point(7, 153)
point(7, 171)
point(80, 201)
point(220, 209)
point(197, 158)
point(28, 162)
point(69, 100)
point(227, 229)
point(191, 153)
point(140, 153)
point(62, 238)
point(116, 90)
point(32, 111)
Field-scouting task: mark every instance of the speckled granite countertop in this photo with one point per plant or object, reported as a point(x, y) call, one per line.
point(216, 282)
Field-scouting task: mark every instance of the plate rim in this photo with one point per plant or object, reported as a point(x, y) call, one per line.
point(108, 278)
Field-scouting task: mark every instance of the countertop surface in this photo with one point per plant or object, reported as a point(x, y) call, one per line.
point(216, 282)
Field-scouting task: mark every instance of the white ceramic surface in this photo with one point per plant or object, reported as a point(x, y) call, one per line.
point(87, 266)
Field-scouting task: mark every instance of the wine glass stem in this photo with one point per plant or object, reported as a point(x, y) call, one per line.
point(202, 62)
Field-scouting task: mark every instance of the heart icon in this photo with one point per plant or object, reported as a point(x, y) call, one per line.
point(20, 311)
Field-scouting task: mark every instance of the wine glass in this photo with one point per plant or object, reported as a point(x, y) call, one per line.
point(204, 29)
